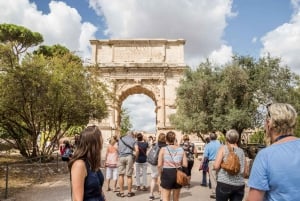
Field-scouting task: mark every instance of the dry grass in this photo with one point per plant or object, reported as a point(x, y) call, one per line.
point(10, 158)
point(21, 174)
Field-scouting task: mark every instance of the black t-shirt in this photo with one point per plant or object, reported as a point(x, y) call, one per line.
point(143, 146)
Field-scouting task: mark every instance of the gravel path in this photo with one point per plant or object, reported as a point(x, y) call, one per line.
point(58, 189)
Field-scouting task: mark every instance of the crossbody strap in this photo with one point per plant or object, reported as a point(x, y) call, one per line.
point(172, 157)
point(126, 144)
point(140, 149)
point(230, 149)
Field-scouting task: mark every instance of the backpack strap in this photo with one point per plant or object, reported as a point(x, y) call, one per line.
point(230, 149)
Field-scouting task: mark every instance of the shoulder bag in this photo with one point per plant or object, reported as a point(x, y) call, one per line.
point(181, 177)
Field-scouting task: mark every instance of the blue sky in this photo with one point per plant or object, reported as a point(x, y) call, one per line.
point(214, 29)
point(255, 18)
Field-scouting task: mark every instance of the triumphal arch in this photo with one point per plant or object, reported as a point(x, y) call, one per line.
point(141, 66)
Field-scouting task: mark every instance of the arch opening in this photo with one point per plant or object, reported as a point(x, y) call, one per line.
point(141, 105)
point(141, 110)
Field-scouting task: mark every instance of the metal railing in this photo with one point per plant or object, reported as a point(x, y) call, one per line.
point(34, 170)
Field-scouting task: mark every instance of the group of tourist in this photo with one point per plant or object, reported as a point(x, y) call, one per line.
point(132, 150)
point(273, 175)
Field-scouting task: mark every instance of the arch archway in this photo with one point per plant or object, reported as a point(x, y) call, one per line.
point(150, 67)
point(138, 89)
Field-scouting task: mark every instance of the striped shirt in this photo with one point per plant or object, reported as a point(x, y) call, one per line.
point(175, 159)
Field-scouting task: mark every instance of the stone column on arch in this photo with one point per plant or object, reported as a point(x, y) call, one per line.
point(161, 113)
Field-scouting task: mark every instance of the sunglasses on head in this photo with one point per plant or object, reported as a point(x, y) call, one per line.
point(268, 111)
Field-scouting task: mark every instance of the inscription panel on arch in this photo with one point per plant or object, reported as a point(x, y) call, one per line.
point(138, 54)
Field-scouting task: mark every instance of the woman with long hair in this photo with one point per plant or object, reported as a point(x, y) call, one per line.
point(86, 176)
point(111, 163)
point(170, 158)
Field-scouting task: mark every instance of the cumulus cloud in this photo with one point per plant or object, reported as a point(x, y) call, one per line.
point(141, 110)
point(283, 41)
point(200, 23)
point(61, 25)
point(221, 56)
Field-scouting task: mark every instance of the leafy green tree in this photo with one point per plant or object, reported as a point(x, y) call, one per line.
point(233, 96)
point(51, 51)
point(195, 96)
point(258, 137)
point(44, 95)
point(271, 82)
point(234, 106)
point(125, 123)
point(17, 40)
point(74, 130)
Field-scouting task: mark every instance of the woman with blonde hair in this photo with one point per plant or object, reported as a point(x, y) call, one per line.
point(275, 171)
point(86, 176)
point(170, 158)
point(111, 161)
point(230, 187)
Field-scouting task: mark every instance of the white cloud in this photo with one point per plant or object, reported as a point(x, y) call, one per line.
point(200, 23)
point(283, 41)
point(61, 25)
point(218, 57)
point(221, 56)
point(142, 112)
point(87, 33)
point(254, 39)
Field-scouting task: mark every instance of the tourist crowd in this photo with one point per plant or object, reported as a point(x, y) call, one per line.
point(273, 174)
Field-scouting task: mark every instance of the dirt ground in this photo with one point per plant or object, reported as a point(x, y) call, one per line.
point(57, 188)
point(22, 176)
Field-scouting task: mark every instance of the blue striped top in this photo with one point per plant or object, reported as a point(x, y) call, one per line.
point(175, 159)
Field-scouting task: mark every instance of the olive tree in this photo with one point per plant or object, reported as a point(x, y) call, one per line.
point(232, 96)
point(43, 95)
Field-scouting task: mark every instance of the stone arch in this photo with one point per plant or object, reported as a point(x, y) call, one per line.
point(137, 89)
point(131, 90)
point(151, 67)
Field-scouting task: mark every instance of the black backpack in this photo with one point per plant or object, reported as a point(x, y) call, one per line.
point(152, 156)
